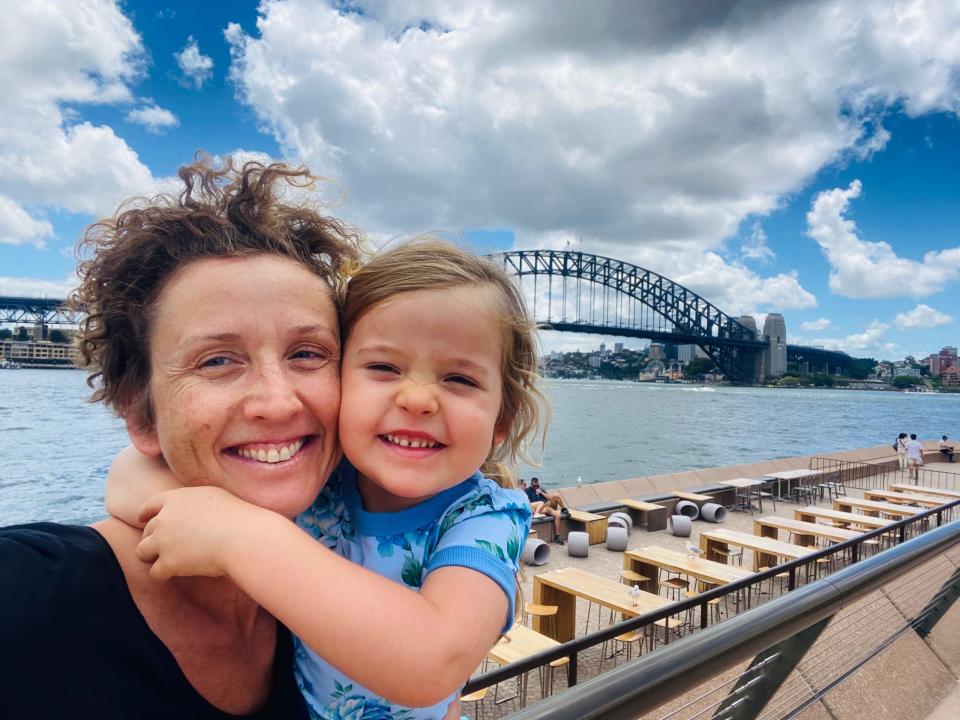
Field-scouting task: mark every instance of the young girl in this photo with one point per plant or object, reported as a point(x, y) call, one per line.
point(438, 378)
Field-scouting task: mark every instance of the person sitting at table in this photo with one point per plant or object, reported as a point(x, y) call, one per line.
point(946, 449)
point(540, 504)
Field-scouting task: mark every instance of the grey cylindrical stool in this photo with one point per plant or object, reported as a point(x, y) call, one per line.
point(712, 512)
point(616, 538)
point(617, 522)
point(625, 516)
point(679, 525)
point(535, 552)
point(578, 544)
point(690, 509)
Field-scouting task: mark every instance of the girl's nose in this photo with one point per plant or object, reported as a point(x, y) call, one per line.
point(417, 398)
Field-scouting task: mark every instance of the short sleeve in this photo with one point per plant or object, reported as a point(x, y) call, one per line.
point(485, 531)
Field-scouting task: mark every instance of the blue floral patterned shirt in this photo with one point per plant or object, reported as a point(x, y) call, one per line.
point(476, 524)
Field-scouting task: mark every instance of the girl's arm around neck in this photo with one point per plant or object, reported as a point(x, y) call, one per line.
point(412, 648)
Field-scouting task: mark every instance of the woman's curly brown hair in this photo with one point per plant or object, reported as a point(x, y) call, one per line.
point(221, 212)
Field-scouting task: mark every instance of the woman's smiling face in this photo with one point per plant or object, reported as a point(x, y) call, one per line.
point(244, 383)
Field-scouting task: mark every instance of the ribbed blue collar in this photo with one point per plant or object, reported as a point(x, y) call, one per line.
point(385, 524)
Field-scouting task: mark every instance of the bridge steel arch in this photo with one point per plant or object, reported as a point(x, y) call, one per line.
point(693, 319)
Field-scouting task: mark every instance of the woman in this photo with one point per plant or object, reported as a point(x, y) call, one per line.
point(85, 630)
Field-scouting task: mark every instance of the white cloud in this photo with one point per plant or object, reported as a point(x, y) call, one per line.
point(865, 269)
point(75, 53)
point(814, 325)
point(18, 227)
point(920, 318)
point(196, 67)
point(756, 248)
point(36, 287)
point(664, 128)
point(155, 118)
point(872, 342)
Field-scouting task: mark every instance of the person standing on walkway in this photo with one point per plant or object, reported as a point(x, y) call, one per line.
point(914, 456)
point(901, 445)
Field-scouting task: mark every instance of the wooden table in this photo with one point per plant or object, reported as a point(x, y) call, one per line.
point(652, 515)
point(806, 532)
point(648, 561)
point(563, 587)
point(594, 525)
point(766, 552)
point(789, 475)
point(812, 512)
point(905, 498)
point(874, 507)
point(742, 500)
point(518, 644)
point(942, 492)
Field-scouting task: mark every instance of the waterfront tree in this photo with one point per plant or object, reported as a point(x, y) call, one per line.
point(6, 333)
point(907, 381)
point(58, 336)
point(21, 334)
point(697, 367)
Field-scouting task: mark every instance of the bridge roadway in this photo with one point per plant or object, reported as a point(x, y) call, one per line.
point(631, 301)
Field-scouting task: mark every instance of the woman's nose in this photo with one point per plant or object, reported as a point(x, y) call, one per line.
point(273, 395)
point(417, 398)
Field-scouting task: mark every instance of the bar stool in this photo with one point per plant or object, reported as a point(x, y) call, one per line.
point(546, 613)
point(674, 585)
point(631, 578)
point(623, 643)
point(477, 698)
point(548, 674)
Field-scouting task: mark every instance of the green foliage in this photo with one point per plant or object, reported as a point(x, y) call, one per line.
point(6, 333)
point(58, 336)
point(907, 381)
point(822, 380)
point(697, 367)
point(861, 368)
point(789, 381)
point(21, 334)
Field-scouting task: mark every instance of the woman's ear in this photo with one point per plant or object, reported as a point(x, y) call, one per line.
point(143, 437)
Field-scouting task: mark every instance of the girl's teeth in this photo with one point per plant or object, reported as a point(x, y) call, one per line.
point(403, 442)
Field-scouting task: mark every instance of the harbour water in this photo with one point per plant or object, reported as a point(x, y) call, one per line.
point(55, 448)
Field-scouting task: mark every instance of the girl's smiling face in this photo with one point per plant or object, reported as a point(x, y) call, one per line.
point(422, 393)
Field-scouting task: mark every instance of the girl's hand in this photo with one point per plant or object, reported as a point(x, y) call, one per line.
point(191, 531)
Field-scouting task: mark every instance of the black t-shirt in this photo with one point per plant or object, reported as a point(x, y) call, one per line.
point(74, 645)
point(532, 495)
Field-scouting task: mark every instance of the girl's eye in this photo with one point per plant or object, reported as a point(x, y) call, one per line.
point(462, 380)
point(381, 368)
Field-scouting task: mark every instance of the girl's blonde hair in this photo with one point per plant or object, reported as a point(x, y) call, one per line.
point(428, 263)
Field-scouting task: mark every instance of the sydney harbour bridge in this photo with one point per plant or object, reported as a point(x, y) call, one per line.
point(579, 292)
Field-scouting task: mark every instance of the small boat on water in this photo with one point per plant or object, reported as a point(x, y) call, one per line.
point(9, 365)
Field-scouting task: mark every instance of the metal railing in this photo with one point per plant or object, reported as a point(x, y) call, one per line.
point(877, 475)
point(776, 636)
point(853, 551)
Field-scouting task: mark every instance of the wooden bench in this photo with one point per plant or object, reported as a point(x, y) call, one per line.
point(693, 497)
point(594, 525)
point(652, 515)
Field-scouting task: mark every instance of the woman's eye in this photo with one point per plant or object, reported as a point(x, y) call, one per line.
point(311, 354)
point(217, 361)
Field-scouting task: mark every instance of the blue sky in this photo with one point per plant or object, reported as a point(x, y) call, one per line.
point(795, 158)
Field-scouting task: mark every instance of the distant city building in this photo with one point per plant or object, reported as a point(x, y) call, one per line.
point(603, 347)
point(656, 351)
point(948, 358)
point(933, 363)
point(775, 354)
point(950, 377)
point(594, 360)
point(39, 353)
point(618, 348)
point(906, 372)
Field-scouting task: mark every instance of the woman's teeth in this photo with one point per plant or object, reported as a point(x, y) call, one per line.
point(412, 443)
point(273, 454)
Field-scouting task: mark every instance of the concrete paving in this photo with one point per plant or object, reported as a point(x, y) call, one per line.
point(607, 563)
